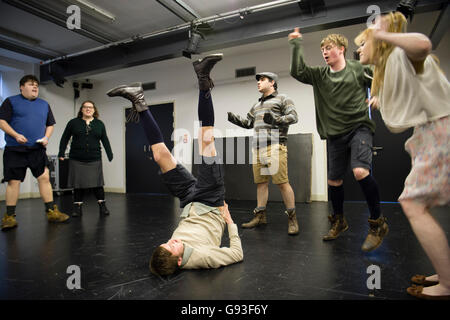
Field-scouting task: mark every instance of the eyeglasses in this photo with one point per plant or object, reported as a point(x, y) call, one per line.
point(88, 107)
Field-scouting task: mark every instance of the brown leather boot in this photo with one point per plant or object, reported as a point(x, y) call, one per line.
point(54, 215)
point(292, 222)
point(133, 92)
point(378, 229)
point(9, 222)
point(338, 225)
point(259, 218)
point(203, 67)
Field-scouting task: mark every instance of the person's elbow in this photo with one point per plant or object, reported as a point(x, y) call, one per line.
point(423, 49)
point(426, 46)
point(294, 73)
point(239, 256)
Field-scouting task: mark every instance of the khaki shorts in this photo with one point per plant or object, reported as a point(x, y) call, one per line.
point(270, 161)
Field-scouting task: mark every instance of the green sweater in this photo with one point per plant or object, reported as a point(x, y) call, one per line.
point(339, 97)
point(86, 139)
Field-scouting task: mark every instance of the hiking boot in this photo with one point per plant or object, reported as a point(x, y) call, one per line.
point(132, 92)
point(102, 208)
point(54, 215)
point(292, 222)
point(203, 68)
point(378, 229)
point(77, 210)
point(9, 222)
point(338, 225)
point(259, 218)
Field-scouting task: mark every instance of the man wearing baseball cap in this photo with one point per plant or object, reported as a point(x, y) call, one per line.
point(270, 118)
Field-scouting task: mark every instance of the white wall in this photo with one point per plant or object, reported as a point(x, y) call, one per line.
point(176, 82)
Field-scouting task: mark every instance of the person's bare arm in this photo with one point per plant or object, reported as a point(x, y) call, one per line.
point(417, 46)
point(10, 131)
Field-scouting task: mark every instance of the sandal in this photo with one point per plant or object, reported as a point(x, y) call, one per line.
point(420, 279)
point(416, 291)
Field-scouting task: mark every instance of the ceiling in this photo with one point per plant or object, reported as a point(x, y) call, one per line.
point(116, 33)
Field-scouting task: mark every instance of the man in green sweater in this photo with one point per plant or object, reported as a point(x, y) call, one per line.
point(342, 118)
point(195, 244)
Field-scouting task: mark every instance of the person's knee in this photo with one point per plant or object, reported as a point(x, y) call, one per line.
point(206, 142)
point(335, 183)
point(360, 173)
point(160, 152)
point(44, 177)
point(284, 186)
point(412, 209)
point(14, 183)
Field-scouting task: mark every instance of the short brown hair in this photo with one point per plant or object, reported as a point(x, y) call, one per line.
point(28, 77)
point(336, 39)
point(95, 115)
point(163, 262)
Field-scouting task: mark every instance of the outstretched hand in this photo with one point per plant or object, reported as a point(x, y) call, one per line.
point(295, 34)
point(230, 116)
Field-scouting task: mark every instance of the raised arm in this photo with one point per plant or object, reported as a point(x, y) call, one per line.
point(417, 46)
point(299, 69)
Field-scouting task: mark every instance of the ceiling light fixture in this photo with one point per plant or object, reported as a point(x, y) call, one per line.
point(194, 39)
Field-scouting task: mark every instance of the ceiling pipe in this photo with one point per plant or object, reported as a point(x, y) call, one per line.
point(187, 25)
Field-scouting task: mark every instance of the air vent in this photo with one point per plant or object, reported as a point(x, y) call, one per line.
point(149, 86)
point(245, 72)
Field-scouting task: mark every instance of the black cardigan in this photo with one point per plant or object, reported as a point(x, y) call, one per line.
point(86, 139)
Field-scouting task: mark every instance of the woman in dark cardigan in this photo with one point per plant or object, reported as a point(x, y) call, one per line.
point(85, 157)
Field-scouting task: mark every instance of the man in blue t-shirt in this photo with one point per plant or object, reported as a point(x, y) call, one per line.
point(28, 124)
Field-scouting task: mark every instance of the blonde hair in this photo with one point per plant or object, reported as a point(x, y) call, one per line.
point(337, 39)
point(381, 50)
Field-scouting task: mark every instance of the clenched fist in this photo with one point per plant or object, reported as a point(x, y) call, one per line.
point(295, 34)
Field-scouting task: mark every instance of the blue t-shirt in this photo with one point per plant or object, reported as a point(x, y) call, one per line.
point(27, 117)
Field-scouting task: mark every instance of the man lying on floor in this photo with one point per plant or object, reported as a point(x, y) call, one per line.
point(195, 243)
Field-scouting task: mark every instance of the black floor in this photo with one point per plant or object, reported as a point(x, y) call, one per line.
point(113, 253)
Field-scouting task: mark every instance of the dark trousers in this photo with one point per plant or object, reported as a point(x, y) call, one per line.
point(208, 188)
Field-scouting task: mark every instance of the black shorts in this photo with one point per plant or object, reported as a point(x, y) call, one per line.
point(355, 146)
point(15, 163)
point(208, 188)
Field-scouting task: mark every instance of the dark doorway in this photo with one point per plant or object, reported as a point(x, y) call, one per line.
point(390, 165)
point(141, 170)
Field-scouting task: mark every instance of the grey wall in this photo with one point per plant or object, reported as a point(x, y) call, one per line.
point(239, 175)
